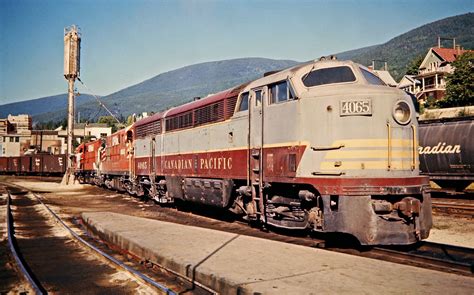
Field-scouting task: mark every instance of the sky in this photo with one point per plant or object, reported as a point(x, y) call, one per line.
point(125, 42)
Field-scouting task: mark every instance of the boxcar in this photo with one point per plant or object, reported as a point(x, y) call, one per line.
point(25, 164)
point(3, 164)
point(14, 165)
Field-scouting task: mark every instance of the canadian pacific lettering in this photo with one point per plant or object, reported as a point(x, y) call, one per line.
point(178, 164)
point(214, 163)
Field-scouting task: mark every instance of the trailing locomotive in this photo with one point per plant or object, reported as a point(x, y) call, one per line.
point(324, 145)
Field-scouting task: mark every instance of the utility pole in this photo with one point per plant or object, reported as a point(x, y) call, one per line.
point(72, 48)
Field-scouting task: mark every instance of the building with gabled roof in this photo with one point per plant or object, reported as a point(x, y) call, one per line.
point(386, 77)
point(409, 84)
point(433, 71)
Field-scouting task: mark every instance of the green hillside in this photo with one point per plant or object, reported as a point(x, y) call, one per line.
point(40, 105)
point(399, 51)
point(176, 87)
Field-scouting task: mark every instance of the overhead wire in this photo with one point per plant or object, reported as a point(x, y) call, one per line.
point(99, 101)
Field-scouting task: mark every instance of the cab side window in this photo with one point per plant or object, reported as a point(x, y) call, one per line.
point(258, 98)
point(280, 92)
point(244, 102)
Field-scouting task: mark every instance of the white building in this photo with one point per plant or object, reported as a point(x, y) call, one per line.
point(21, 123)
point(82, 130)
point(409, 84)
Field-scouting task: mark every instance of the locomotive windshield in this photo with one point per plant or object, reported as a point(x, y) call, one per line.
point(244, 102)
point(329, 76)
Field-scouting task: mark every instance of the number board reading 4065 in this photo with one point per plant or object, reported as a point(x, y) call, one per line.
point(356, 107)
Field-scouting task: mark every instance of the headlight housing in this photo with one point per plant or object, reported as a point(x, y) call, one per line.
point(402, 112)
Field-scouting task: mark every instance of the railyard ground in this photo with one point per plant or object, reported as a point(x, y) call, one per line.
point(76, 199)
point(72, 201)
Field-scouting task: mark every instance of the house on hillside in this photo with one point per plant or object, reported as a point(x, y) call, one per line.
point(433, 71)
point(383, 73)
point(409, 84)
point(386, 77)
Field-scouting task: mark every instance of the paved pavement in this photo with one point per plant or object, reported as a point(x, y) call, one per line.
point(236, 264)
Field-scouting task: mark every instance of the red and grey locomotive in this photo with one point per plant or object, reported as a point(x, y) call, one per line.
point(323, 145)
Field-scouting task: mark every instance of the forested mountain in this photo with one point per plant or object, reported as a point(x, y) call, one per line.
point(176, 87)
point(40, 105)
point(399, 51)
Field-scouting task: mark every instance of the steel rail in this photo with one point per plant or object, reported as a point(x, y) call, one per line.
point(24, 269)
point(426, 256)
point(158, 265)
point(118, 263)
point(454, 208)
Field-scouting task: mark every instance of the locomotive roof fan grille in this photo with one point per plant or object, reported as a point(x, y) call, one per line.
point(402, 112)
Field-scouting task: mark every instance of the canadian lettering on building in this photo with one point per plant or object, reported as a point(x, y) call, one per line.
point(440, 148)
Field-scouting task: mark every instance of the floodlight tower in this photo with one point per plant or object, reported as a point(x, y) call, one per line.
point(72, 49)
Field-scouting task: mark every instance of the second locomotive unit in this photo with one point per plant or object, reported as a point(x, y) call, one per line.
point(324, 145)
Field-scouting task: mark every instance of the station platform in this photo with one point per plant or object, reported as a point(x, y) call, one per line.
point(236, 264)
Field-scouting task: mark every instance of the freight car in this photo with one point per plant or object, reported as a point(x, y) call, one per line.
point(325, 146)
point(447, 152)
point(37, 164)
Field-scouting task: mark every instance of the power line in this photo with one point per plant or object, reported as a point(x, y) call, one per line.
point(100, 102)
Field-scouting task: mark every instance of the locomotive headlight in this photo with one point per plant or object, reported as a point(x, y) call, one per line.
point(402, 112)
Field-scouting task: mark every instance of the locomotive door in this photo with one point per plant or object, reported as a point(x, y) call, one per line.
point(152, 158)
point(255, 162)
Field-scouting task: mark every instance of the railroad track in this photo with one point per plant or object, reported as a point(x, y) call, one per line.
point(425, 255)
point(54, 258)
point(456, 207)
point(442, 257)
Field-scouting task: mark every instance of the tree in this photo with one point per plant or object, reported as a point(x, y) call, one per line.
point(414, 65)
point(130, 120)
point(110, 121)
point(460, 84)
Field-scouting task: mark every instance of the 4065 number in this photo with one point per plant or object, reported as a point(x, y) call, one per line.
point(355, 107)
